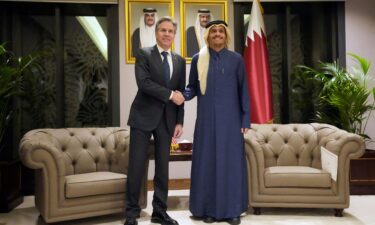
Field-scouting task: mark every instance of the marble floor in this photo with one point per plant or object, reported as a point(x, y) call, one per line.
point(361, 211)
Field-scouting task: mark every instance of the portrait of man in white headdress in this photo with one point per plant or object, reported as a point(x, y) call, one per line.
point(144, 35)
point(194, 34)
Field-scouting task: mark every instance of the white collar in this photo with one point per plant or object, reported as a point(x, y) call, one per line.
point(162, 50)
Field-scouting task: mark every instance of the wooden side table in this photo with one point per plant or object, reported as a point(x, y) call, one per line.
point(180, 155)
point(362, 174)
point(175, 155)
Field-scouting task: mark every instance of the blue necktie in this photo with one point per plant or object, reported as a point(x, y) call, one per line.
point(166, 69)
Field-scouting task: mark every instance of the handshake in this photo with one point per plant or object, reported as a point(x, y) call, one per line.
point(177, 98)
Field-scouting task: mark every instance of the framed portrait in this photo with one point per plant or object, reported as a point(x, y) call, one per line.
point(140, 19)
point(194, 15)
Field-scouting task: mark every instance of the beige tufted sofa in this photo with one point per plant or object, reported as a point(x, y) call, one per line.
point(285, 170)
point(79, 172)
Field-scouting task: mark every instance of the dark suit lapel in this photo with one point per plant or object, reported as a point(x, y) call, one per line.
point(155, 55)
point(175, 66)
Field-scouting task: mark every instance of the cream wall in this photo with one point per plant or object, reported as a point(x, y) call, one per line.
point(360, 34)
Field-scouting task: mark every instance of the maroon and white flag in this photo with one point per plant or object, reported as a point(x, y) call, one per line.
point(257, 68)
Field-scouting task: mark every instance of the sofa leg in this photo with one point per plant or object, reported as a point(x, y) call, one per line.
point(338, 212)
point(256, 210)
point(41, 220)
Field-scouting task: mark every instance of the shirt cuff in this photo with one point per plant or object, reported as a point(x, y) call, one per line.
point(171, 96)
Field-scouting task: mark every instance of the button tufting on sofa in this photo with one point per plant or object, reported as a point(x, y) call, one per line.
point(287, 172)
point(80, 173)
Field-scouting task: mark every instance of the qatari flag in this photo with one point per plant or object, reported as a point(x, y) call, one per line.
point(257, 68)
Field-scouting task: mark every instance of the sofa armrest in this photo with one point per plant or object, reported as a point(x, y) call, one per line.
point(252, 146)
point(255, 164)
point(343, 144)
point(38, 149)
point(120, 156)
point(340, 142)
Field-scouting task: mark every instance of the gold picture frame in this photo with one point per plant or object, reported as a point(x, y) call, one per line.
point(133, 17)
point(188, 16)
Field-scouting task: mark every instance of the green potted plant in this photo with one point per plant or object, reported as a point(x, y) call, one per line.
point(12, 72)
point(344, 98)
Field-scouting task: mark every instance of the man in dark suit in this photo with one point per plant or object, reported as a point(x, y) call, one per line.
point(156, 110)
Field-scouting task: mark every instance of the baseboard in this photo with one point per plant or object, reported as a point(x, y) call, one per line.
point(174, 184)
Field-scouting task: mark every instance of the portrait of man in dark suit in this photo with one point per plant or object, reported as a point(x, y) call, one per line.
point(157, 111)
point(194, 34)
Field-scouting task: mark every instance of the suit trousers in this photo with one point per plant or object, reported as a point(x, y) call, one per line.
point(138, 156)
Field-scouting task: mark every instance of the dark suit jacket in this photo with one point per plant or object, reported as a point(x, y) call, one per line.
point(152, 98)
point(192, 45)
point(136, 42)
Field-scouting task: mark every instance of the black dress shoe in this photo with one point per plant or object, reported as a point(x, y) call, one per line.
point(163, 218)
point(131, 221)
point(234, 220)
point(209, 219)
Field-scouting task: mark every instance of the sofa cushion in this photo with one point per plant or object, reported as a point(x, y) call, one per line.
point(96, 183)
point(296, 176)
